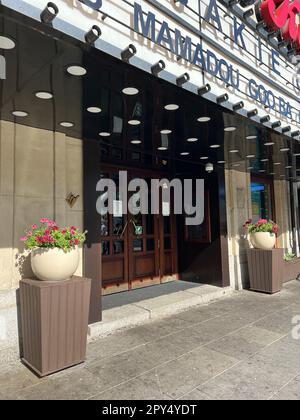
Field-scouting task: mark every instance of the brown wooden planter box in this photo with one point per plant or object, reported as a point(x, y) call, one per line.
point(265, 270)
point(291, 269)
point(54, 318)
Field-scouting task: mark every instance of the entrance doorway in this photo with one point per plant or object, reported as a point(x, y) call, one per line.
point(137, 250)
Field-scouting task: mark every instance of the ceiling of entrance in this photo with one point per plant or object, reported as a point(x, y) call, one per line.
point(56, 85)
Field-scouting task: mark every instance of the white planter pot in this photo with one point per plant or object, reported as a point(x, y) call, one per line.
point(263, 240)
point(53, 264)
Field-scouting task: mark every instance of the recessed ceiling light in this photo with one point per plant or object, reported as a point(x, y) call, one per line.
point(282, 175)
point(251, 137)
point(136, 141)
point(234, 151)
point(221, 161)
point(272, 173)
point(204, 158)
point(6, 43)
point(67, 124)
point(236, 165)
point(104, 134)
point(20, 114)
point(250, 167)
point(230, 128)
point(192, 139)
point(264, 160)
point(269, 143)
point(288, 167)
point(184, 153)
point(284, 149)
point(44, 95)
point(166, 131)
point(203, 119)
point(162, 148)
point(215, 146)
point(172, 107)
point(130, 91)
point(277, 163)
point(250, 156)
point(134, 122)
point(94, 110)
point(296, 154)
point(262, 170)
point(76, 70)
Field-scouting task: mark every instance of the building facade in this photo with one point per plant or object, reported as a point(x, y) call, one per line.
point(159, 89)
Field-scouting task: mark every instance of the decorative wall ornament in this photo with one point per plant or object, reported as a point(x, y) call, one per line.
point(72, 199)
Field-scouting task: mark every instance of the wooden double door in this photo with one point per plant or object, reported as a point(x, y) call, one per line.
point(137, 250)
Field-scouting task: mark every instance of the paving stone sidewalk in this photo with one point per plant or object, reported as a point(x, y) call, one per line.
point(239, 347)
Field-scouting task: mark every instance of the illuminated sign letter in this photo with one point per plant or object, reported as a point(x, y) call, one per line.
point(212, 14)
point(147, 28)
point(94, 4)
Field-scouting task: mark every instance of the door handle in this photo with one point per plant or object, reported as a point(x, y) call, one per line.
point(123, 231)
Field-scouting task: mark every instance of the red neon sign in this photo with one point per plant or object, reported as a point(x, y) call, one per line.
point(283, 15)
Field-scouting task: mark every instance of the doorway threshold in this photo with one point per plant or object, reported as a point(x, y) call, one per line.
point(128, 309)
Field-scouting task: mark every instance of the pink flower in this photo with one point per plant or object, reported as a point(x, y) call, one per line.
point(39, 240)
point(29, 234)
point(44, 220)
point(23, 239)
point(262, 222)
point(34, 227)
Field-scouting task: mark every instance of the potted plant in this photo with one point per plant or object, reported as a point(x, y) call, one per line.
point(291, 267)
point(262, 233)
point(54, 251)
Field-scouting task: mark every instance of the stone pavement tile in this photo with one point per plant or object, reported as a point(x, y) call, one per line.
point(78, 385)
point(281, 321)
point(253, 307)
point(158, 352)
point(214, 329)
point(115, 344)
point(201, 314)
point(186, 340)
point(130, 364)
point(15, 379)
point(157, 329)
point(283, 354)
point(187, 372)
point(291, 391)
point(209, 391)
point(141, 388)
point(258, 335)
point(245, 342)
point(249, 380)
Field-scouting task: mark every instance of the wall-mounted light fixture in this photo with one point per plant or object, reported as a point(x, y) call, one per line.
point(295, 133)
point(265, 119)
point(286, 129)
point(276, 124)
point(252, 113)
point(204, 89)
point(49, 13)
point(93, 34)
point(238, 105)
point(222, 98)
point(248, 13)
point(158, 67)
point(181, 80)
point(128, 53)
